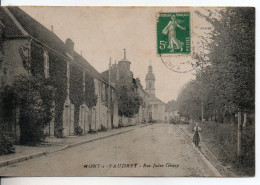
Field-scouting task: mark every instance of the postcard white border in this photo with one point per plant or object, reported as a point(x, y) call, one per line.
point(150, 181)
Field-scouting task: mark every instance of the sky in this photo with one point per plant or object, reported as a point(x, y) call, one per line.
point(103, 32)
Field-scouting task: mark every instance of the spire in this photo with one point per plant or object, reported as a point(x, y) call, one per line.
point(124, 53)
point(150, 69)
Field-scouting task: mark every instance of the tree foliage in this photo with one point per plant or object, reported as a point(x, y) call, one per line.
point(227, 80)
point(90, 97)
point(34, 97)
point(128, 100)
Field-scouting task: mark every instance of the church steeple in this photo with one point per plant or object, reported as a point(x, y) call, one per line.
point(150, 82)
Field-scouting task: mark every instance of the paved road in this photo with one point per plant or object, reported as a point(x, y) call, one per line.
point(154, 150)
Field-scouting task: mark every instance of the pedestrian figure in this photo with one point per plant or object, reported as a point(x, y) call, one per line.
point(196, 135)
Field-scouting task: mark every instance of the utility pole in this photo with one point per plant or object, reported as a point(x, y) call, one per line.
point(245, 116)
point(202, 103)
point(239, 133)
point(202, 87)
point(109, 94)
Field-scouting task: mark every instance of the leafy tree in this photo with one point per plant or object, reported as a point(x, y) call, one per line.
point(128, 100)
point(232, 57)
point(34, 95)
point(188, 100)
point(225, 78)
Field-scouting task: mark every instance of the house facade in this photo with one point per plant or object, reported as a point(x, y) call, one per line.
point(82, 98)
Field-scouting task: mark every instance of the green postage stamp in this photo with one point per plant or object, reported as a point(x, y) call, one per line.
point(173, 33)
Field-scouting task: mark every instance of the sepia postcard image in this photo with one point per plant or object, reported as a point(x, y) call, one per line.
point(127, 91)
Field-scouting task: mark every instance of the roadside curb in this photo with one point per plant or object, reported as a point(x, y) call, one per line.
point(20, 159)
point(203, 157)
point(39, 154)
point(212, 158)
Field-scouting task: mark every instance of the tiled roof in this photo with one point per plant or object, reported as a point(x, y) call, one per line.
point(89, 67)
point(155, 99)
point(40, 33)
point(11, 28)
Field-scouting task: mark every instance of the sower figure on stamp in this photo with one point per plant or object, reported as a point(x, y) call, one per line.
point(170, 29)
point(196, 134)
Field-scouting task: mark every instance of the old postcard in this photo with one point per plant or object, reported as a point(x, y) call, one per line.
point(127, 91)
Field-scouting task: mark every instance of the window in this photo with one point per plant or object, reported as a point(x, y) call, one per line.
point(46, 64)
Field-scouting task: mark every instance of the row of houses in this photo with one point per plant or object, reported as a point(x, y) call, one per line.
point(27, 47)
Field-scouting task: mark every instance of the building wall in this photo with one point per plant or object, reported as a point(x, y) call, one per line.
point(115, 110)
point(143, 109)
point(97, 107)
point(12, 53)
point(12, 62)
point(84, 118)
point(161, 112)
point(158, 111)
point(11, 65)
point(103, 117)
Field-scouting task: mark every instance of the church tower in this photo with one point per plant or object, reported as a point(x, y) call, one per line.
point(150, 80)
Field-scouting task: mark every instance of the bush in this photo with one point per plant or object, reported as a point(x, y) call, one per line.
point(248, 146)
point(174, 121)
point(78, 131)
point(152, 121)
point(103, 128)
point(6, 145)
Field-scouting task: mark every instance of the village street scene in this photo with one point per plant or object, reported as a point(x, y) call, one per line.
point(149, 91)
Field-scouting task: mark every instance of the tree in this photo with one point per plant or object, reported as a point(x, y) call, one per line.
point(188, 100)
point(232, 62)
point(128, 100)
point(34, 96)
point(232, 57)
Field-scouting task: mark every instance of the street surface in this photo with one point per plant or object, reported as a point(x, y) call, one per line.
point(154, 150)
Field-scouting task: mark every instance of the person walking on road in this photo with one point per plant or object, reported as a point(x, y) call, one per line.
point(196, 134)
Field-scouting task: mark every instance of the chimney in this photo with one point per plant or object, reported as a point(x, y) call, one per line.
point(52, 28)
point(70, 47)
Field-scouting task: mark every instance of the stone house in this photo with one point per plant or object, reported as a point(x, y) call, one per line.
point(27, 47)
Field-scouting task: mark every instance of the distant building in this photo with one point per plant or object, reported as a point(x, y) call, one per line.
point(119, 74)
point(171, 111)
point(171, 114)
point(157, 107)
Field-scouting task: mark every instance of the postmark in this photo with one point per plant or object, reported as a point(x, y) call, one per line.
point(173, 33)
